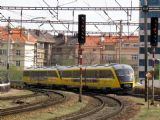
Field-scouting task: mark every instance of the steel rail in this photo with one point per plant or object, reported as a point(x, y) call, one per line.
point(96, 110)
point(33, 106)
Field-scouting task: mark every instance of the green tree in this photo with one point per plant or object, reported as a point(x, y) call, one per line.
point(15, 73)
point(156, 71)
point(3, 75)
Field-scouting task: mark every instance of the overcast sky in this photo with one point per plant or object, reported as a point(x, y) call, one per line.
point(91, 16)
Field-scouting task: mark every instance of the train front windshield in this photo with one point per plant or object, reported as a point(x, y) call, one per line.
point(125, 75)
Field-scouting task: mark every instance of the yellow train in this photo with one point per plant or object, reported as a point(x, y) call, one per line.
point(106, 77)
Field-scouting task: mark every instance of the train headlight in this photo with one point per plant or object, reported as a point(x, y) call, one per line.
point(127, 85)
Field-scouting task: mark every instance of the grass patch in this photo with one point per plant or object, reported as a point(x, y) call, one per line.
point(69, 107)
point(145, 113)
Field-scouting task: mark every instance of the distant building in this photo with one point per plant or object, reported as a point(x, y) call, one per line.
point(141, 39)
point(65, 51)
point(43, 47)
point(21, 48)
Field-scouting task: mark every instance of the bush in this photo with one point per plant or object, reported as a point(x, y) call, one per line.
point(15, 73)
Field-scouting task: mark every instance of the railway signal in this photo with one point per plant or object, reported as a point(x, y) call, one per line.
point(81, 29)
point(154, 32)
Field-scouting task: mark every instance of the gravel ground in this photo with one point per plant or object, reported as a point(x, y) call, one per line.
point(131, 108)
point(71, 105)
point(14, 92)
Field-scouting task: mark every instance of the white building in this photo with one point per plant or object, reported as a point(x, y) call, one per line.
point(21, 48)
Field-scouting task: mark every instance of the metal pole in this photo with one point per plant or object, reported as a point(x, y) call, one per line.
point(148, 92)
point(153, 62)
point(159, 68)
point(145, 10)
point(80, 64)
point(8, 49)
point(100, 54)
point(159, 71)
point(120, 41)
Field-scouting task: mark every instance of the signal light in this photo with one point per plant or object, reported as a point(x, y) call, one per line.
point(154, 32)
point(81, 29)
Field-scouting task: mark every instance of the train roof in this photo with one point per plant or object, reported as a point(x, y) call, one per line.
point(113, 65)
point(85, 66)
point(41, 68)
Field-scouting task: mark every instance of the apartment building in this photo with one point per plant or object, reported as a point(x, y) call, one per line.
point(64, 52)
point(141, 39)
point(20, 46)
point(43, 47)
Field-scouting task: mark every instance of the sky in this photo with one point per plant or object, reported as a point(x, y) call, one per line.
point(91, 16)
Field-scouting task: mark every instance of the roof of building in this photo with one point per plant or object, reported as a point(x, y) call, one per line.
point(42, 36)
point(16, 35)
point(97, 40)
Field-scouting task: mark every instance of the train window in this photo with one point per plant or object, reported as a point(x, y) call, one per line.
point(83, 73)
point(42, 73)
point(105, 74)
point(124, 72)
point(91, 74)
point(26, 73)
point(33, 75)
point(76, 74)
point(52, 74)
point(67, 74)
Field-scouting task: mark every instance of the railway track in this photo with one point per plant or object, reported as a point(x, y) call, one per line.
point(140, 92)
point(52, 98)
point(104, 107)
point(108, 108)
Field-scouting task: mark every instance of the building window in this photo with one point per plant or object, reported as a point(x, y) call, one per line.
point(17, 63)
point(59, 50)
point(134, 57)
point(18, 52)
point(94, 49)
point(135, 45)
point(126, 45)
point(142, 74)
point(3, 52)
point(40, 45)
point(1, 44)
point(142, 50)
point(141, 62)
point(0, 52)
point(109, 47)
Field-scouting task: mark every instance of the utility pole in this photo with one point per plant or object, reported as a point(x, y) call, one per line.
point(81, 41)
point(153, 62)
point(8, 49)
point(81, 76)
point(145, 11)
point(120, 41)
point(154, 44)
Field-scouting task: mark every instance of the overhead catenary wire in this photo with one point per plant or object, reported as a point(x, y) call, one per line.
point(56, 16)
point(155, 8)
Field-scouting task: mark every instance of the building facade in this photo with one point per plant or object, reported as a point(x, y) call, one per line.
point(142, 40)
point(43, 47)
point(20, 46)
